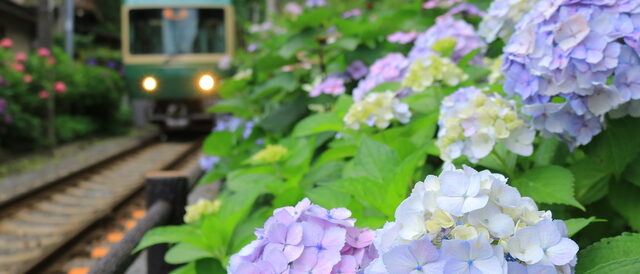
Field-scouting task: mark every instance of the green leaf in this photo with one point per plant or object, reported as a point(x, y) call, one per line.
point(546, 151)
point(252, 182)
point(368, 190)
point(623, 197)
point(622, 266)
point(296, 43)
point(219, 144)
point(577, 224)
point(236, 106)
point(632, 173)
point(548, 184)
point(616, 146)
point(231, 87)
point(281, 82)
point(375, 160)
point(318, 123)
point(342, 105)
point(346, 43)
point(184, 253)
point(386, 86)
point(608, 250)
point(426, 102)
point(591, 180)
point(171, 234)
point(285, 117)
point(337, 153)
point(328, 197)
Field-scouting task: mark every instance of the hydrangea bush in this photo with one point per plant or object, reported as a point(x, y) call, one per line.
point(357, 110)
point(465, 221)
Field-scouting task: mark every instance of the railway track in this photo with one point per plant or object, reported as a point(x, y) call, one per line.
point(34, 228)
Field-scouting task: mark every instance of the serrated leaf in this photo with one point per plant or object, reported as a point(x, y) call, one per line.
point(622, 266)
point(617, 145)
point(218, 143)
point(577, 224)
point(318, 123)
point(171, 234)
point(623, 197)
point(608, 250)
point(632, 173)
point(328, 197)
point(548, 184)
point(375, 160)
point(184, 253)
point(591, 180)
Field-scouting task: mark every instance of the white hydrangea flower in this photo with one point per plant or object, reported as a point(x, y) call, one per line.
point(502, 17)
point(478, 224)
point(472, 122)
point(377, 109)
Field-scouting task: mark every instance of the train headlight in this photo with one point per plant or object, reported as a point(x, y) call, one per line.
point(206, 83)
point(149, 83)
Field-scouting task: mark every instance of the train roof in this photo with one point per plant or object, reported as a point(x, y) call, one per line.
point(175, 2)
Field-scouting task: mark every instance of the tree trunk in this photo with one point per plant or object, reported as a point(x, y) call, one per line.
point(45, 40)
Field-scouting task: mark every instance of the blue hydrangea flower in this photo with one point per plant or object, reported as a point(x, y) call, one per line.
point(572, 62)
point(467, 40)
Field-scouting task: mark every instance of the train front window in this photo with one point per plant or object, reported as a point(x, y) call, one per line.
point(177, 31)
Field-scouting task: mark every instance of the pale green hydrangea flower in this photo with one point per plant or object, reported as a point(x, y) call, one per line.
point(502, 17)
point(471, 122)
point(377, 109)
point(202, 207)
point(270, 154)
point(427, 71)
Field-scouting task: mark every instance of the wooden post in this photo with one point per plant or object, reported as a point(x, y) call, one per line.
point(172, 187)
point(45, 40)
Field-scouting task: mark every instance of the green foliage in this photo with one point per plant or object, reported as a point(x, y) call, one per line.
point(609, 250)
point(90, 104)
point(548, 184)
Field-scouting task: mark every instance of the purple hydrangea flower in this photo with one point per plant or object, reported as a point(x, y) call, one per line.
point(401, 37)
point(469, 9)
point(390, 68)
point(315, 3)
point(3, 105)
point(252, 47)
point(333, 85)
point(440, 3)
point(351, 13)
point(293, 8)
point(306, 238)
point(357, 70)
point(585, 54)
point(467, 40)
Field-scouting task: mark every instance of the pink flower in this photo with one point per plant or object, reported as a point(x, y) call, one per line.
point(351, 13)
point(44, 52)
point(21, 57)
point(402, 37)
point(18, 67)
point(60, 87)
point(6, 43)
point(43, 94)
point(27, 78)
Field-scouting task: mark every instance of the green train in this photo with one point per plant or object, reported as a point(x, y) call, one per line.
point(170, 49)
